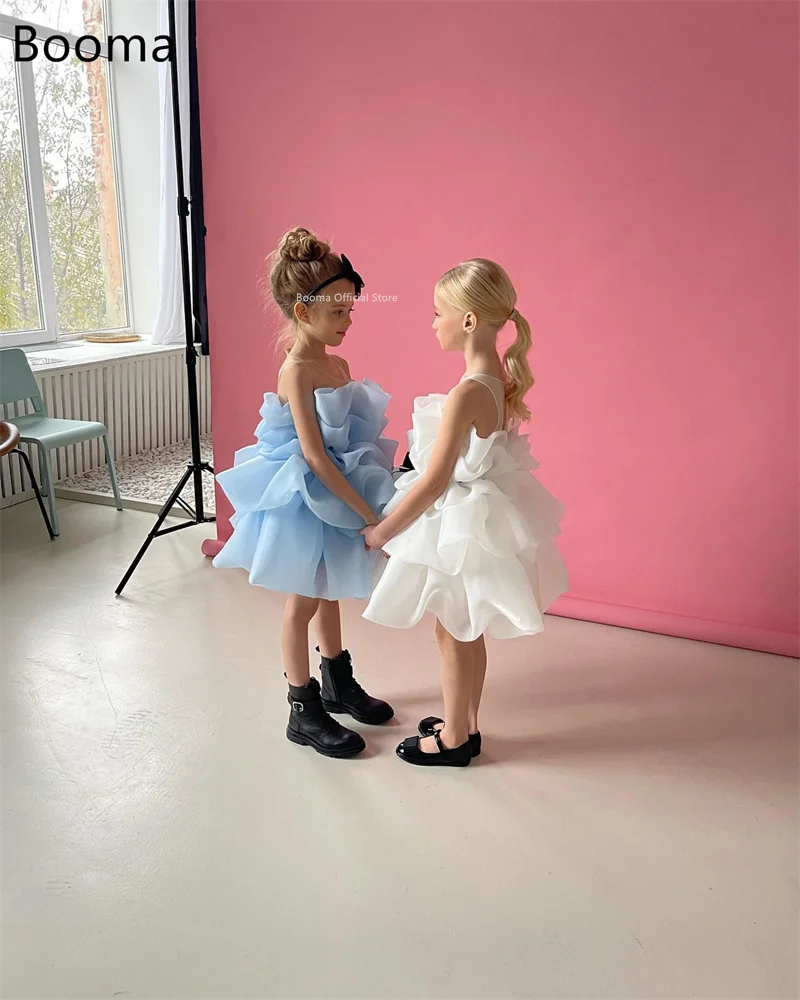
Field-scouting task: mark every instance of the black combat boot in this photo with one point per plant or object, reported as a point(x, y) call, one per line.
point(341, 692)
point(310, 725)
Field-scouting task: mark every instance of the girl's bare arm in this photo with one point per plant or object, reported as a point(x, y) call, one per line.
point(298, 386)
point(457, 417)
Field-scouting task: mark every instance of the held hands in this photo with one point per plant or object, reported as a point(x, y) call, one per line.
point(373, 536)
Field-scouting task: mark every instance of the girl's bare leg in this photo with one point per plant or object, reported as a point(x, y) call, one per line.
point(328, 627)
point(458, 673)
point(478, 648)
point(297, 617)
point(479, 652)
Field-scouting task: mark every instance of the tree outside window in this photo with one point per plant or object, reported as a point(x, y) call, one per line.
point(61, 259)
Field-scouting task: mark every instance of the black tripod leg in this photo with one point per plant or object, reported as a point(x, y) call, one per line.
point(154, 530)
point(207, 468)
point(27, 463)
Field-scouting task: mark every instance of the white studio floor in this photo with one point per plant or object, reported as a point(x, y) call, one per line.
point(629, 832)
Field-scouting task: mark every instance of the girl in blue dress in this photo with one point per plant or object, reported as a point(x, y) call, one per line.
point(319, 472)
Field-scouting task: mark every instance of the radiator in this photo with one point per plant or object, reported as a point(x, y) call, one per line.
point(142, 400)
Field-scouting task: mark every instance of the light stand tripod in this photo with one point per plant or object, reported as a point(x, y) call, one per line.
point(196, 467)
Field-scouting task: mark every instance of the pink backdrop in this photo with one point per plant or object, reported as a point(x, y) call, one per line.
point(634, 168)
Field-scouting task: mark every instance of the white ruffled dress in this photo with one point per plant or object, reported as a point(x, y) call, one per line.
point(483, 557)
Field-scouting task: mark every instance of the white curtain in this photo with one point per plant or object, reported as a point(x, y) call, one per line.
point(169, 325)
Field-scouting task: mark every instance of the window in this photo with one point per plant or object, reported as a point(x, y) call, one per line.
point(62, 265)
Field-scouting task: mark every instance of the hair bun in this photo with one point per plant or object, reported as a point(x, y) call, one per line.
point(301, 245)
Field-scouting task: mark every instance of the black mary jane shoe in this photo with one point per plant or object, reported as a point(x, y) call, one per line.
point(427, 727)
point(409, 751)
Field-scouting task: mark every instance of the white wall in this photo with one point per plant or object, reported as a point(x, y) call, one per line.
point(138, 131)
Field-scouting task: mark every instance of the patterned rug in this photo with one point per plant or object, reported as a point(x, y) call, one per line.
point(150, 476)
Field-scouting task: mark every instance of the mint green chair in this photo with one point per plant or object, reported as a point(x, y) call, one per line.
point(17, 384)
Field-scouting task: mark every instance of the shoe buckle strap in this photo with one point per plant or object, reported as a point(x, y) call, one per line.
point(298, 706)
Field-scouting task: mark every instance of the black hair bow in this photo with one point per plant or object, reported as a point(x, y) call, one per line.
point(345, 271)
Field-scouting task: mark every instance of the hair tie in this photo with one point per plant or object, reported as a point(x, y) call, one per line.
point(514, 313)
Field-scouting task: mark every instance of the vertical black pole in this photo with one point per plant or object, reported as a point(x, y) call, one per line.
point(197, 466)
point(197, 218)
point(188, 319)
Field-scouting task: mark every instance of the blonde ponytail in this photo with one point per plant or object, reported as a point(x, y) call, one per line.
point(519, 378)
point(481, 286)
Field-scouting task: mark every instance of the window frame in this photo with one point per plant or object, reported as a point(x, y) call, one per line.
point(48, 334)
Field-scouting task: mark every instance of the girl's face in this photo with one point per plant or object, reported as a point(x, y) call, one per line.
point(328, 318)
point(448, 325)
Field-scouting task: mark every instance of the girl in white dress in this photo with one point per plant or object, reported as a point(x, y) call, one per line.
point(469, 532)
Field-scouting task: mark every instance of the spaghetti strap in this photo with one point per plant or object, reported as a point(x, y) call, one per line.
point(498, 394)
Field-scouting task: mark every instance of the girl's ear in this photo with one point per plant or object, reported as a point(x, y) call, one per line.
point(470, 321)
point(301, 312)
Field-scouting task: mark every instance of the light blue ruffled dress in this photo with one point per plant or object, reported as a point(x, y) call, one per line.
point(289, 531)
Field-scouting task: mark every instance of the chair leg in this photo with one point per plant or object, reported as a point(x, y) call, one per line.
point(42, 471)
point(48, 486)
point(112, 472)
point(26, 462)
